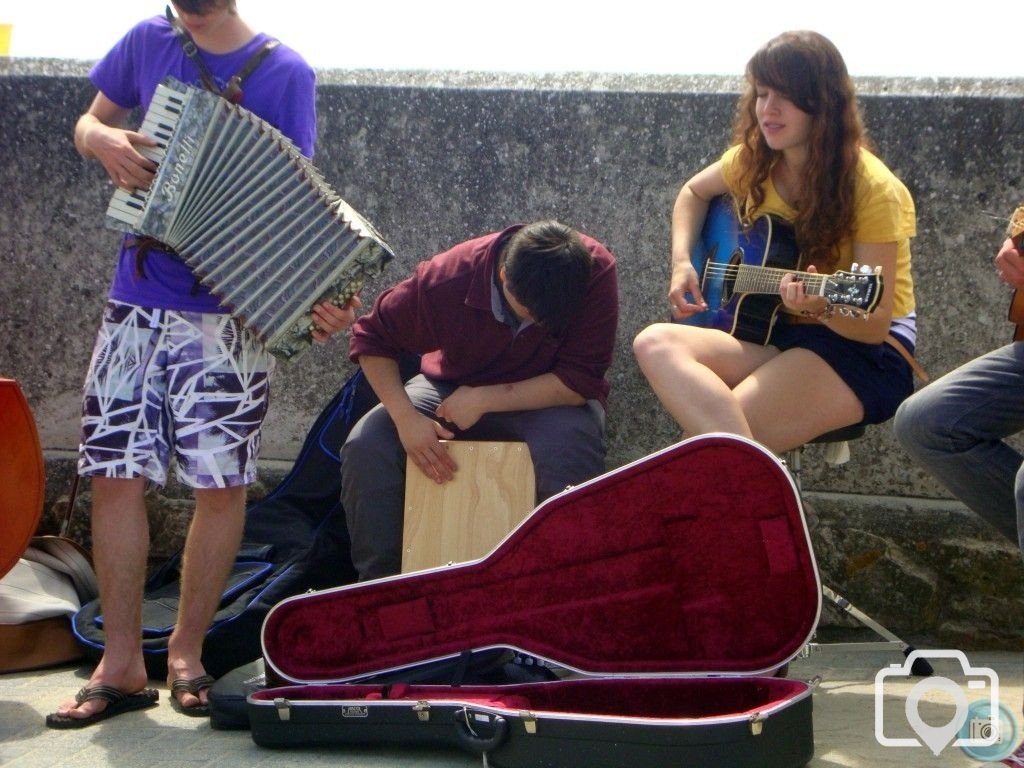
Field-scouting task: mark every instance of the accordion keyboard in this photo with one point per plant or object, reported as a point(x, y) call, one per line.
point(160, 121)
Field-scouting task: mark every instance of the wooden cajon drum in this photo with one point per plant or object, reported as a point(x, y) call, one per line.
point(465, 518)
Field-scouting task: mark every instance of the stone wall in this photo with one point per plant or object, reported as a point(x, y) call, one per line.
point(433, 158)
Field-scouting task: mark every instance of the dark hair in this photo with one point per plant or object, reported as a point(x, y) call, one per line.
point(199, 7)
point(809, 71)
point(547, 270)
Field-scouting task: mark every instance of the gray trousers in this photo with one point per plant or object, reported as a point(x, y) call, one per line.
point(567, 445)
point(956, 428)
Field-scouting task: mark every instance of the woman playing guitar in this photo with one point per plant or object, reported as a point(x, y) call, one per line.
point(799, 154)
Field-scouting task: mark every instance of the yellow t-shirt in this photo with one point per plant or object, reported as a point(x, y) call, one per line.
point(884, 213)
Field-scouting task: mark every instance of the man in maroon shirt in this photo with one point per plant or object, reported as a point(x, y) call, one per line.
point(516, 331)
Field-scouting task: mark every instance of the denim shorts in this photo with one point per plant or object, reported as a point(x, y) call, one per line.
point(878, 375)
point(166, 384)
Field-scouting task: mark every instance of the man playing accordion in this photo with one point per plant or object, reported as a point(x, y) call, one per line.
point(172, 374)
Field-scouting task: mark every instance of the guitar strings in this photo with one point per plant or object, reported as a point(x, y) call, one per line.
point(767, 279)
point(727, 269)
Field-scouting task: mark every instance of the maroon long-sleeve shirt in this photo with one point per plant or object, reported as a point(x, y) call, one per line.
point(443, 312)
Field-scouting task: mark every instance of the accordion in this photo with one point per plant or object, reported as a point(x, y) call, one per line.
point(250, 215)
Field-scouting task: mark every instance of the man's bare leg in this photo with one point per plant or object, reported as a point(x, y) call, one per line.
point(120, 542)
point(210, 550)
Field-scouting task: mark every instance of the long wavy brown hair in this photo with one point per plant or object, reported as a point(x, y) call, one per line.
point(808, 70)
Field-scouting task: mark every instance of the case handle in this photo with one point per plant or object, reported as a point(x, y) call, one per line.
point(480, 732)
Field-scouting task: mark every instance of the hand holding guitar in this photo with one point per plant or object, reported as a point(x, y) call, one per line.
point(1010, 268)
point(1010, 264)
point(794, 295)
point(684, 291)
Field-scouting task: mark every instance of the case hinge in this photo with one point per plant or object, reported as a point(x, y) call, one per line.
point(284, 709)
point(756, 723)
point(529, 721)
point(422, 710)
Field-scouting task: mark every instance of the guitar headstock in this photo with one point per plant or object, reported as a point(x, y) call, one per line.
point(855, 293)
point(1015, 229)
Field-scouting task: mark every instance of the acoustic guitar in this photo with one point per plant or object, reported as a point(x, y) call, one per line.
point(741, 269)
point(1015, 231)
point(22, 474)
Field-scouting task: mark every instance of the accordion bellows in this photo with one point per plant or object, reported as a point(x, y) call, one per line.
point(250, 214)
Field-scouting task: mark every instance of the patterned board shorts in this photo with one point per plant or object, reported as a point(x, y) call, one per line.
point(165, 382)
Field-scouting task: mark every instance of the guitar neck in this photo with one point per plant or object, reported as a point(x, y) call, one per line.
point(757, 279)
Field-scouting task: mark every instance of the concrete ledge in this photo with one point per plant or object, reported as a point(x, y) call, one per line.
point(435, 157)
point(927, 569)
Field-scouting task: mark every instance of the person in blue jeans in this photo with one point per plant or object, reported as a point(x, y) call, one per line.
point(956, 427)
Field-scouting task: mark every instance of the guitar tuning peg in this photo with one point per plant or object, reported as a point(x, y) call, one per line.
point(878, 270)
point(854, 267)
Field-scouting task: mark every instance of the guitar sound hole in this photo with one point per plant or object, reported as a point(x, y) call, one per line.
point(729, 281)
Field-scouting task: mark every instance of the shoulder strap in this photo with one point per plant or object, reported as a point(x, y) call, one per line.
point(233, 90)
point(191, 50)
point(915, 366)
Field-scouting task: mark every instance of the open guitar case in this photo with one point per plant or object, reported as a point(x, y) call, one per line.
point(667, 592)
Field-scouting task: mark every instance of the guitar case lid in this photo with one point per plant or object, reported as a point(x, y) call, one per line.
point(695, 560)
point(22, 476)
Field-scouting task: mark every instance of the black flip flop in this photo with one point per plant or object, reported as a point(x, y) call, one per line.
point(118, 702)
point(193, 686)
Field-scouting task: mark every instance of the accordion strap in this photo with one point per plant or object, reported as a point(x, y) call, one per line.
point(143, 244)
point(233, 90)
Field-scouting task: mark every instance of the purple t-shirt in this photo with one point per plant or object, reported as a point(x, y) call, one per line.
point(281, 90)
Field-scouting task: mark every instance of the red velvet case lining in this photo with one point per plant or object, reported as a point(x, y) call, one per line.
point(694, 560)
